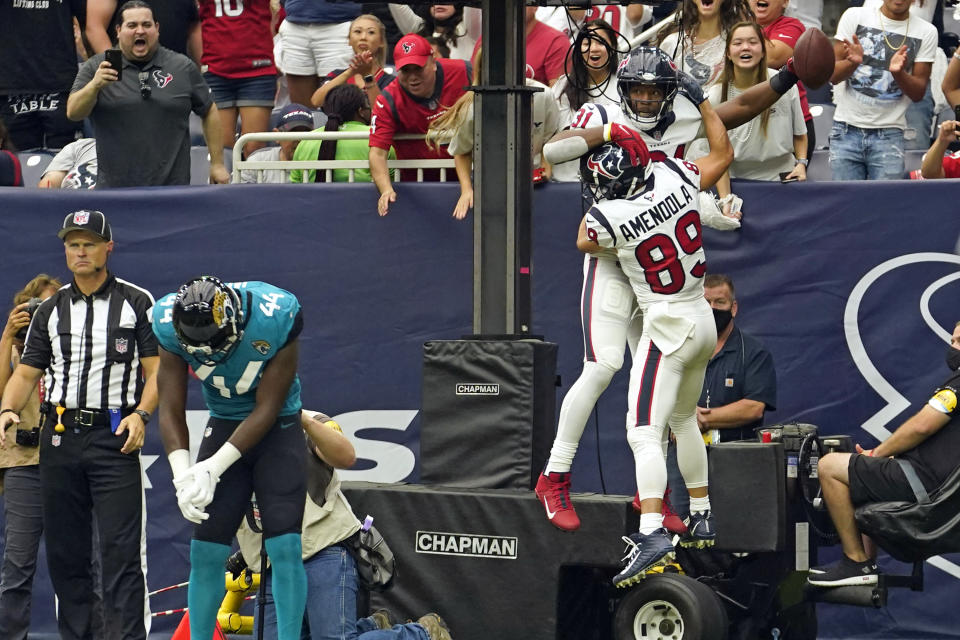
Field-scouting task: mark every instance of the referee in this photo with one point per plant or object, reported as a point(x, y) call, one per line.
point(94, 341)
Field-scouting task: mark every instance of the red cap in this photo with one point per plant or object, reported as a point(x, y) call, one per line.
point(412, 49)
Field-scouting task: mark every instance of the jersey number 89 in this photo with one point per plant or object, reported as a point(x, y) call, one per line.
point(658, 255)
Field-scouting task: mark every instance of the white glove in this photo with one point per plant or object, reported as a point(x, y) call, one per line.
point(712, 216)
point(204, 476)
point(182, 480)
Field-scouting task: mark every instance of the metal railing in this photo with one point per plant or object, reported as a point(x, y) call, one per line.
point(329, 165)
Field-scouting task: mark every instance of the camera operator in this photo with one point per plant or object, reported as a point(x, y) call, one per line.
point(20, 473)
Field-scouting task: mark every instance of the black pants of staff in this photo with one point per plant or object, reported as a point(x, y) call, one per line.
point(85, 476)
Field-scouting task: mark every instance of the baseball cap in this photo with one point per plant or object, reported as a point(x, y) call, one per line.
point(86, 220)
point(412, 49)
point(295, 115)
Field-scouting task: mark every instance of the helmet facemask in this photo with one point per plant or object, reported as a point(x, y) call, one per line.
point(207, 319)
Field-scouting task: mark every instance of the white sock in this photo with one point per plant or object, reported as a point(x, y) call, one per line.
point(699, 505)
point(561, 456)
point(650, 522)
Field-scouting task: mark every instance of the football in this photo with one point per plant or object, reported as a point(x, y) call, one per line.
point(813, 58)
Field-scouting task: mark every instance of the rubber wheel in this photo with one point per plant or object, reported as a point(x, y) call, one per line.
point(670, 607)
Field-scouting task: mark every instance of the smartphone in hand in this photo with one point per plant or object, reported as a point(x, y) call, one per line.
point(784, 179)
point(115, 58)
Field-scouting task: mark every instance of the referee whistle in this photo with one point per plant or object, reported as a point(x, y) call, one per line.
point(60, 428)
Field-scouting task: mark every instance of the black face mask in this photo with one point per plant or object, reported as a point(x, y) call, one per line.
point(953, 358)
point(722, 317)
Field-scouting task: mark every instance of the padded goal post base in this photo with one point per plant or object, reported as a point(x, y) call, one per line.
point(487, 413)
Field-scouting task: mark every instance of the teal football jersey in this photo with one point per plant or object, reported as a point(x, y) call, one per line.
point(230, 387)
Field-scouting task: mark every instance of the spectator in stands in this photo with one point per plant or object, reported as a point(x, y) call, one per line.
point(329, 524)
point(179, 20)
point(74, 167)
point(347, 109)
point(294, 117)
point(937, 163)
point(11, 174)
point(382, 12)
point(591, 77)
point(740, 384)
point(314, 40)
point(781, 33)
point(458, 28)
point(546, 50)
point(809, 12)
point(238, 56)
point(884, 59)
point(773, 143)
point(20, 472)
point(920, 116)
point(456, 127)
point(368, 39)
point(701, 49)
point(424, 89)
point(625, 20)
point(39, 62)
point(141, 118)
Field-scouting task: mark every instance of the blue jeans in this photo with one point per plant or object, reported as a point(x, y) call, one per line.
point(331, 612)
point(24, 525)
point(919, 123)
point(866, 154)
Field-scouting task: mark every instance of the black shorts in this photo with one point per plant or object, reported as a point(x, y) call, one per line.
point(274, 468)
point(877, 480)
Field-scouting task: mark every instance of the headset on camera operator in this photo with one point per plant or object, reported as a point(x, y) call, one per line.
point(20, 472)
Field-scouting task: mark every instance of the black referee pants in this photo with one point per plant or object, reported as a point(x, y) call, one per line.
point(86, 476)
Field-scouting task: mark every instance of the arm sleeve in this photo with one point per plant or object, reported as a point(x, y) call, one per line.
point(928, 47)
point(146, 340)
point(86, 72)
point(382, 126)
point(37, 350)
point(760, 380)
point(847, 25)
point(787, 32)
point(65, 160)
point(944, 398)
point(599, 229)
point(200, 100)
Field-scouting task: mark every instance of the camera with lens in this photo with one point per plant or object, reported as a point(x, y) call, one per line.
point(31, 307)
point(29, 438)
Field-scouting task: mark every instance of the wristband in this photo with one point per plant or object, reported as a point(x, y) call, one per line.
point(606, 131)
point(144, 415)
point(223, 458)
point(16, 413)
point(783, 80)
point(179, 461)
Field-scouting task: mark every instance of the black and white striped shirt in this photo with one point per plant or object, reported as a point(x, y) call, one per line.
point(90, 346)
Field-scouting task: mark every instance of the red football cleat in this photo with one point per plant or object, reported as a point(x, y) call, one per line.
point(671, 521)
point(553, 491)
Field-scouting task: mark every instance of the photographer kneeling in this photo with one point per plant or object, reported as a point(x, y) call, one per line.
point(921, 449)
point(329, 528)
point(20, 471)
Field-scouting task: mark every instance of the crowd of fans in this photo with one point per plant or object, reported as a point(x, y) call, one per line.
point(264, 65)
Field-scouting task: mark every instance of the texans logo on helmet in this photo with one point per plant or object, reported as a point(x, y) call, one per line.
point(608, 165)
point(162, 78)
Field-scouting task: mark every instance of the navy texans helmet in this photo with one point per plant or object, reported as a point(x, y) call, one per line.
point(607, 174)
point(207, 318)
point(648, 66)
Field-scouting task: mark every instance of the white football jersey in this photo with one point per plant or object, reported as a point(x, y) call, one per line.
point(656, 234)
point(671, 138)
